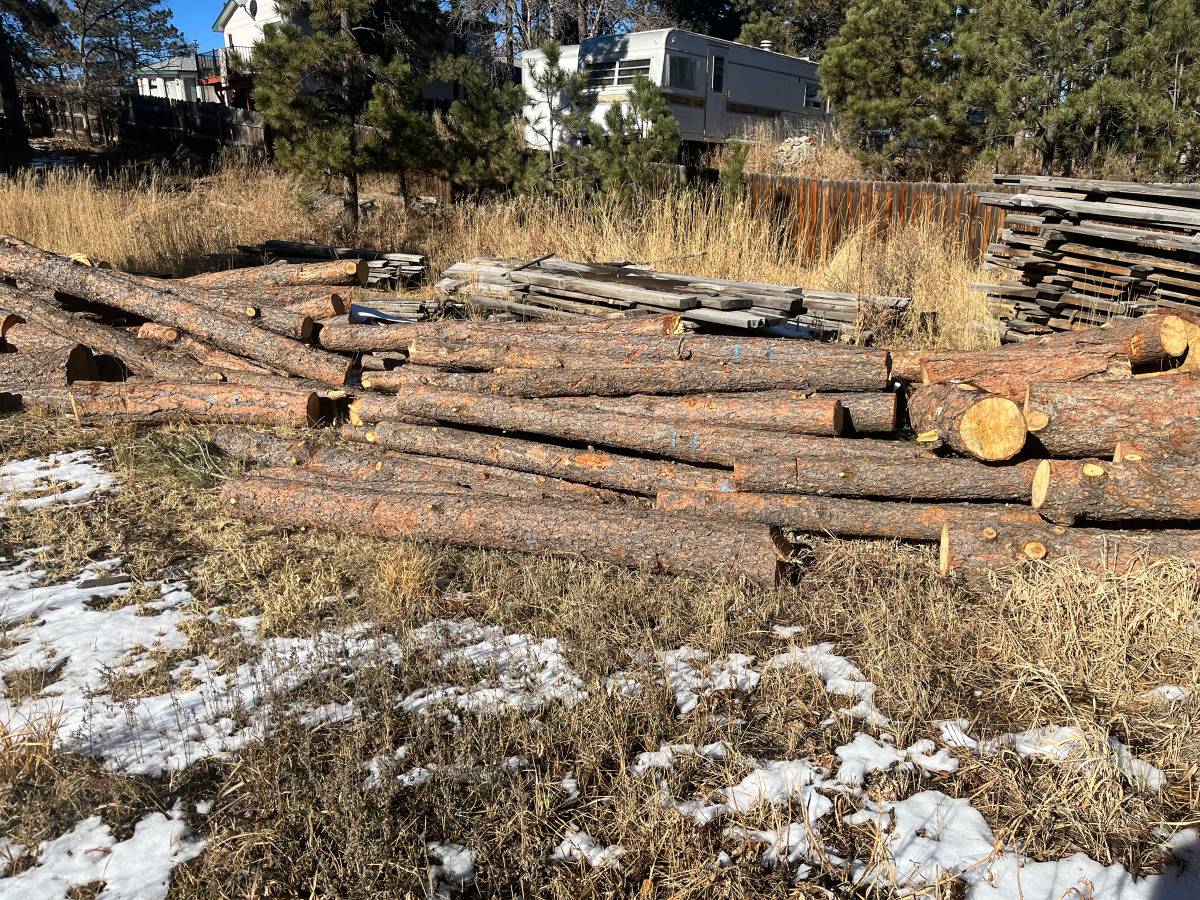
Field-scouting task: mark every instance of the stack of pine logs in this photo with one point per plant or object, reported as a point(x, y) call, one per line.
point(558, 290)
point(1079, 252)
point(632, 441)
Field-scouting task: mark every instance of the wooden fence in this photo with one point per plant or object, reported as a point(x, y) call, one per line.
point(823, 212)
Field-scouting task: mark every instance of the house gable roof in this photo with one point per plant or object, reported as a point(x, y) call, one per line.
point(226, 11)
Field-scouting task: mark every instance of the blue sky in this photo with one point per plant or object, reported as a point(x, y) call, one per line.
point(194, 18)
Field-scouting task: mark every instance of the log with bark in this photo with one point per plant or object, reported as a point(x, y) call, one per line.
point(642, 539)
point(1068, 491)
point(281, 320)
point(29, 337)
point(688, 441)
point(969, 421)
point(324, 306)
point(1010, 371)
point(838, 515)
point(1088, 419)
point(854, 468)
point(281, 274)
point(1146, 341)
point(867, 412)
point(21, 261)
point(792, 412)
point(583, 351)
point(384, 466)
point(174, 401)
point(615, 380)
point(972, 552)
point(7, 321)
point(137, 355)
point(65, 365)
point(608, 470)
point(366, 338)
point(205, 355)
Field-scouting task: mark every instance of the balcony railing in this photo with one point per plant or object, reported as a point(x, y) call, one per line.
point(225, 63)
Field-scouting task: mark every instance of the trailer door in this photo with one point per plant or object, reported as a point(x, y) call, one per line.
point(714, 104)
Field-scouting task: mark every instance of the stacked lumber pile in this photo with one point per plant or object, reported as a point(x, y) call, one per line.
point(632, 441)
point(562, 291)
point(1078, 253)
point(384, 271)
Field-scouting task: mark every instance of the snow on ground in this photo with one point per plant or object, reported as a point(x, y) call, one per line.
point(57, 478)
point(135, 869)
point(80, 636)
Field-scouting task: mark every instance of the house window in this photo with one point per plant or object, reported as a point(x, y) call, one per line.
point(602, 73)
point(812, 96)
point(681, 72)
point(718, 74)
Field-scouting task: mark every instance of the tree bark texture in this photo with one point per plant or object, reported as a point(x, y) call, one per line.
point(324, 306)
point(61, 366)
point(165, 401)
point(1088, 418)
point(642, 539)
point(1067, 491)
point(22, 261)
point(868, 412)
point(137, 355)
point(617, 380)
point(972, 553)
point(28, 337)
point(279, 320)
point(968, 420)
point(1144, 341)
point(790, 412)
point(1009, 373)
point(845, 470)
point(383, 467)
point(7, 321)
point(367, 338)
point(608, 470)
point(283, 274)
point(691, 442)
point(838, 515)
point(207, 356)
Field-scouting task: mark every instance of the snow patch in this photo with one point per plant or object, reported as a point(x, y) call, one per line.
point(452, 867)
point(579, 845)
point(841, 677)
point(57, 478)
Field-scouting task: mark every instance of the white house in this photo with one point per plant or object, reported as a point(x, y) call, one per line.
point(716, 89)
point(174, 79)
point(241, 22)
point(226, 75)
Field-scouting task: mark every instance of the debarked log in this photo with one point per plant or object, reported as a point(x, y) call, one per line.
point(169, 401)
point(689, 441)
point(1067, 491)
point(848, 471)
point(1087, 419)
point(63, 366)
point(973, 552)
point(379, 466)
point(840, 516)
point(642, 539)
point(22, 261)
point(970, 421)
point(608, 470)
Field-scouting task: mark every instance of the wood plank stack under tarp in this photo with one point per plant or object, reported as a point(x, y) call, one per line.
point(1076, 253)
point(559, 290)
point(629, 439)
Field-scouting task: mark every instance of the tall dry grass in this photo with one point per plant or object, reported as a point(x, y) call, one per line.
point(171, 224)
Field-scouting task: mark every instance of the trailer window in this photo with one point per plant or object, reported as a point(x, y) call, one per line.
point(602, 73)
point(718, 74)
point(681, 72)
point(812, 96)
point(631, 69)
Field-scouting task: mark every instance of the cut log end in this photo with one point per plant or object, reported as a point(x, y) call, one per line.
point(1174, 334)
point(1041, 483)
point(841, 419)
point(993, 429)
point(944, 551)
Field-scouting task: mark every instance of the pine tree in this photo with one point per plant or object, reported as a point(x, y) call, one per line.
point(27, 28)
point(342, 94)
point(794, 27)
point(889, 73)
point(485, 152)
point(566, 114)
point(110, 39)
point(638, 138)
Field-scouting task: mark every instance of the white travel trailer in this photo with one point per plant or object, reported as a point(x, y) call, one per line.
point(716, 89)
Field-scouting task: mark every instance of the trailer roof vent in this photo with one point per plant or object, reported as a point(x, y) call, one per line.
point(766, 45)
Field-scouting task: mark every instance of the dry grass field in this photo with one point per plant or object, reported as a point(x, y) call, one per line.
point(295, 713)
